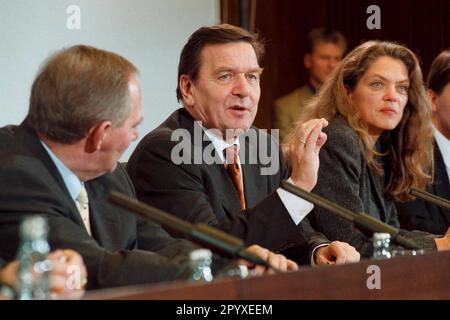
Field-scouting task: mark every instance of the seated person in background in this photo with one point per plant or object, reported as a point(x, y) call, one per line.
point(61, 163)
point(218, 84)
point(324, 49)
point(418, 214)
point(379, 141)
point(61, 260)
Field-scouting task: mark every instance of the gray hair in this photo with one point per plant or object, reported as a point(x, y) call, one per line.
point(76, 89)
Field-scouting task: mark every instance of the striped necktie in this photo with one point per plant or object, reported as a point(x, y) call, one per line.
point(232, 167)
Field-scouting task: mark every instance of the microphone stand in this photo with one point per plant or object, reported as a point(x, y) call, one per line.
point(203, 234)
point(429, 197)
point(362, 221)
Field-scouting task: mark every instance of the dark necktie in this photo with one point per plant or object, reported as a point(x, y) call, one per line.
point(232, 166)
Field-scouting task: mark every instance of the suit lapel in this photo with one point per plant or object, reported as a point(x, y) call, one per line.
point(441, 185)
point(102, 225)
point(217, 171)
point(379, 193)
point(250, 172)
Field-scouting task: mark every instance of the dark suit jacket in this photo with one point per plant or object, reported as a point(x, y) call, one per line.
point(205, 192)
point(123, 250)
point(421, 215)
point(345, 178)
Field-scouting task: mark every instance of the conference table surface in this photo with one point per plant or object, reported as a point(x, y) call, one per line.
point(409, 277)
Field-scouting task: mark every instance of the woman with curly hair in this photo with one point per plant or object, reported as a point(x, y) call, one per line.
point(379, 140)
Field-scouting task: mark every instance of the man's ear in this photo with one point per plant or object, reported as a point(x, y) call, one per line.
point(307, 61)
point(432, 97)
point(186, 89)
point(97, 135)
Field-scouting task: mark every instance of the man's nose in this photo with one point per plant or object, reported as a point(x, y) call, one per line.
point(241, 86)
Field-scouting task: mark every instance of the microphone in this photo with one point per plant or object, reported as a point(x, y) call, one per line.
point(364, 222)
point(429, 197)
point(213, 238)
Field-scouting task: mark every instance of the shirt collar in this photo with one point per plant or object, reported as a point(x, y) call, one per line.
point(73, 184)
point(219, 144)
point(443, 144)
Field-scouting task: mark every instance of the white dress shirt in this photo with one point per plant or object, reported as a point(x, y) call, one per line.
point(73, 185)
point(297, 207)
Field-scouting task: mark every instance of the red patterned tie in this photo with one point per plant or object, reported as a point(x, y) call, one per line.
point(232, 166)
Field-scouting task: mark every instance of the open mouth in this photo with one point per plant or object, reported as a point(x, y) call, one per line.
point(238, 108)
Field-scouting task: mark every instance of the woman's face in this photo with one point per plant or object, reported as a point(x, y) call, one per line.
point(381, 94)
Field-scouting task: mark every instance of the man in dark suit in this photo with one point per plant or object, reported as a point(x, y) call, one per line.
point(217, 172)
point(61, 162)
point(418, 214)
point(425, 216)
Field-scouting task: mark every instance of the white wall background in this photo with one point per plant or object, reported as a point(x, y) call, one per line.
point(150, 33)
